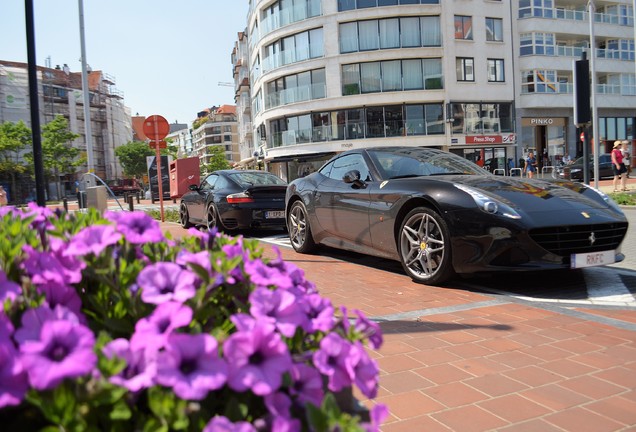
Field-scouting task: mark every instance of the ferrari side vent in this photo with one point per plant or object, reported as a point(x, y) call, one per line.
point(573, 239)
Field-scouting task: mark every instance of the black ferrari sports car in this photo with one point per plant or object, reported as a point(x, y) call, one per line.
point(235, 199)
point(440, 215)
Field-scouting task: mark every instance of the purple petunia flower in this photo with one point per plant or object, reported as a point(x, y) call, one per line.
point(368, 329)
point(365, 371)
point(190, 366)
point(141, 365)
point(33, 319)
point(257, 358)
point(71, 266)
point(166, 281)
point(319, 312)
point(93, 239)
point(307, 384)
point(378, 414)
point(13, 379)
point(8, 289)
point(137, 227)
point(63, 350)
point(262, 275)
point(279, 307)
point(223, 424)
point(277, 423)
point(43, 267)
point(59, 294)
point(152, 332)
point(336, 360)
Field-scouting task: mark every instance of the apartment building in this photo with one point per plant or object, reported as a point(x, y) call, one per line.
point(482, 78)
point(331, 75)
point(60, 93)
point(248, 155)
point(552, 34)
point(216, 128)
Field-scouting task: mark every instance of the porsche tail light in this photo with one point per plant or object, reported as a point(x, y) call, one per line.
point(239, 198)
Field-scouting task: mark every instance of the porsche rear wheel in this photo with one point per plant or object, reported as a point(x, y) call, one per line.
point(299, 229)
point(424, 247)
point(184, 217)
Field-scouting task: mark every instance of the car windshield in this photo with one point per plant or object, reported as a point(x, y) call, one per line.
point(411, 162)
point(251, 178)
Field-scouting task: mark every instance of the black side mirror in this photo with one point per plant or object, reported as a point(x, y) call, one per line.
point(193, 188)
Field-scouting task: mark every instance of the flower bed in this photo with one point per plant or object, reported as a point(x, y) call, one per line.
point(108, 325)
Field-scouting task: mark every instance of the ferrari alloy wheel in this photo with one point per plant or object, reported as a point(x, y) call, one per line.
point(299, 229)
point(184, 217)
point(424, 244)
point(212, 218)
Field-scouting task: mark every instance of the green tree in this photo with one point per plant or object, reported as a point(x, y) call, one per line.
point(132, 157)
point(14, 139)
point(216, 161)
point(58, 154)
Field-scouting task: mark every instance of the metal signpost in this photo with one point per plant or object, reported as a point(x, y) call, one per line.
point(156, 128)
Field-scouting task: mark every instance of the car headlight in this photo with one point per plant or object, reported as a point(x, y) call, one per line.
point(575, 170)
point(489, 204)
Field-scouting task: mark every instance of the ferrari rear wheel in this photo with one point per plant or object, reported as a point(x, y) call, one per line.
point(184, 217)
point(212, 219)
point(299, 229)
point(424, 247)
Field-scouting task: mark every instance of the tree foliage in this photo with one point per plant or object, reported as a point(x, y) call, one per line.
point(58, 153)
point(216, 161)
point(132, 157)
point(14, 139)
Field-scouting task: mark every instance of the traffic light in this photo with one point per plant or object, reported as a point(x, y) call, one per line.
point(582, 111)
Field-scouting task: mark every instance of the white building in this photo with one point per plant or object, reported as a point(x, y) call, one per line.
point(60, 93)
point(486, 78)
point(331, 75)
point(550, 35)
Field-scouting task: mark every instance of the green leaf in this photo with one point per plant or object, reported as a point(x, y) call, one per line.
point(120, 411)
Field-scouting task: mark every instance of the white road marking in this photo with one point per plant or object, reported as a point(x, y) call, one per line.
point(605, 286)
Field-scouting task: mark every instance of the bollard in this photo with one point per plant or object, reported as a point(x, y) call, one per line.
point(138, 197)
point(130, 203)
point(65, 202)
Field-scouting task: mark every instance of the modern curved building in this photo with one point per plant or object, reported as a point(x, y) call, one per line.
point(466, 76)
point(331, 75)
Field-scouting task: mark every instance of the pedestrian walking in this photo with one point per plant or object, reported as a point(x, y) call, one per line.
point(530, 165)
point(627, 157)
point(618, 167)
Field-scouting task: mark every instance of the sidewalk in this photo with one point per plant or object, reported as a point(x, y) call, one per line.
point(455, 360)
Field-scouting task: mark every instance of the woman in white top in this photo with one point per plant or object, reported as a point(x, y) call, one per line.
point(627, 157)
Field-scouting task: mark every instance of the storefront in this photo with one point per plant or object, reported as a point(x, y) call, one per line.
point(496, 153)
point(546, 137)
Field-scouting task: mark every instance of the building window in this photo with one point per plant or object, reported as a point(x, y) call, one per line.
point(494, 29)
point(299, 87)
point(463, 27)
point(465, 68)
point(480, 118)
point(390, 33)
point(496, 70)
point(293, 49)
point(345, 5)
point(392, 75)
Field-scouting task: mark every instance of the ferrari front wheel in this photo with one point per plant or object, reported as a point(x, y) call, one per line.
point(424, 247)
point(299, 229)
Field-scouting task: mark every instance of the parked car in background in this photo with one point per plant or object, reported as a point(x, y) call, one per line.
point(574, 171)
point(123, 186)
point(440, 215)
point(235, 199)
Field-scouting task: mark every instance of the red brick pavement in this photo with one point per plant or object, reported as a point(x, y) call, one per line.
point(468, 363)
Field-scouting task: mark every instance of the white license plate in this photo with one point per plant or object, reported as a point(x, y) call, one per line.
point(592, 259)
point(279, 214)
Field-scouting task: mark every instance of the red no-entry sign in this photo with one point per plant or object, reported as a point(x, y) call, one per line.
point(156, 127)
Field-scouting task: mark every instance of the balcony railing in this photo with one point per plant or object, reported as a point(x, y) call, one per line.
point(296, 94)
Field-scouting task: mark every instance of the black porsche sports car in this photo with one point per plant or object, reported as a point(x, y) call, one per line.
point(235, 199)
point(440, 214)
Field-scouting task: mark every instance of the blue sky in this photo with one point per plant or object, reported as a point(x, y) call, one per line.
point(167, 56)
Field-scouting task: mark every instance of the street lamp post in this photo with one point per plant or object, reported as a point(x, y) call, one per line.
point(88, 133)
point(591, 7)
